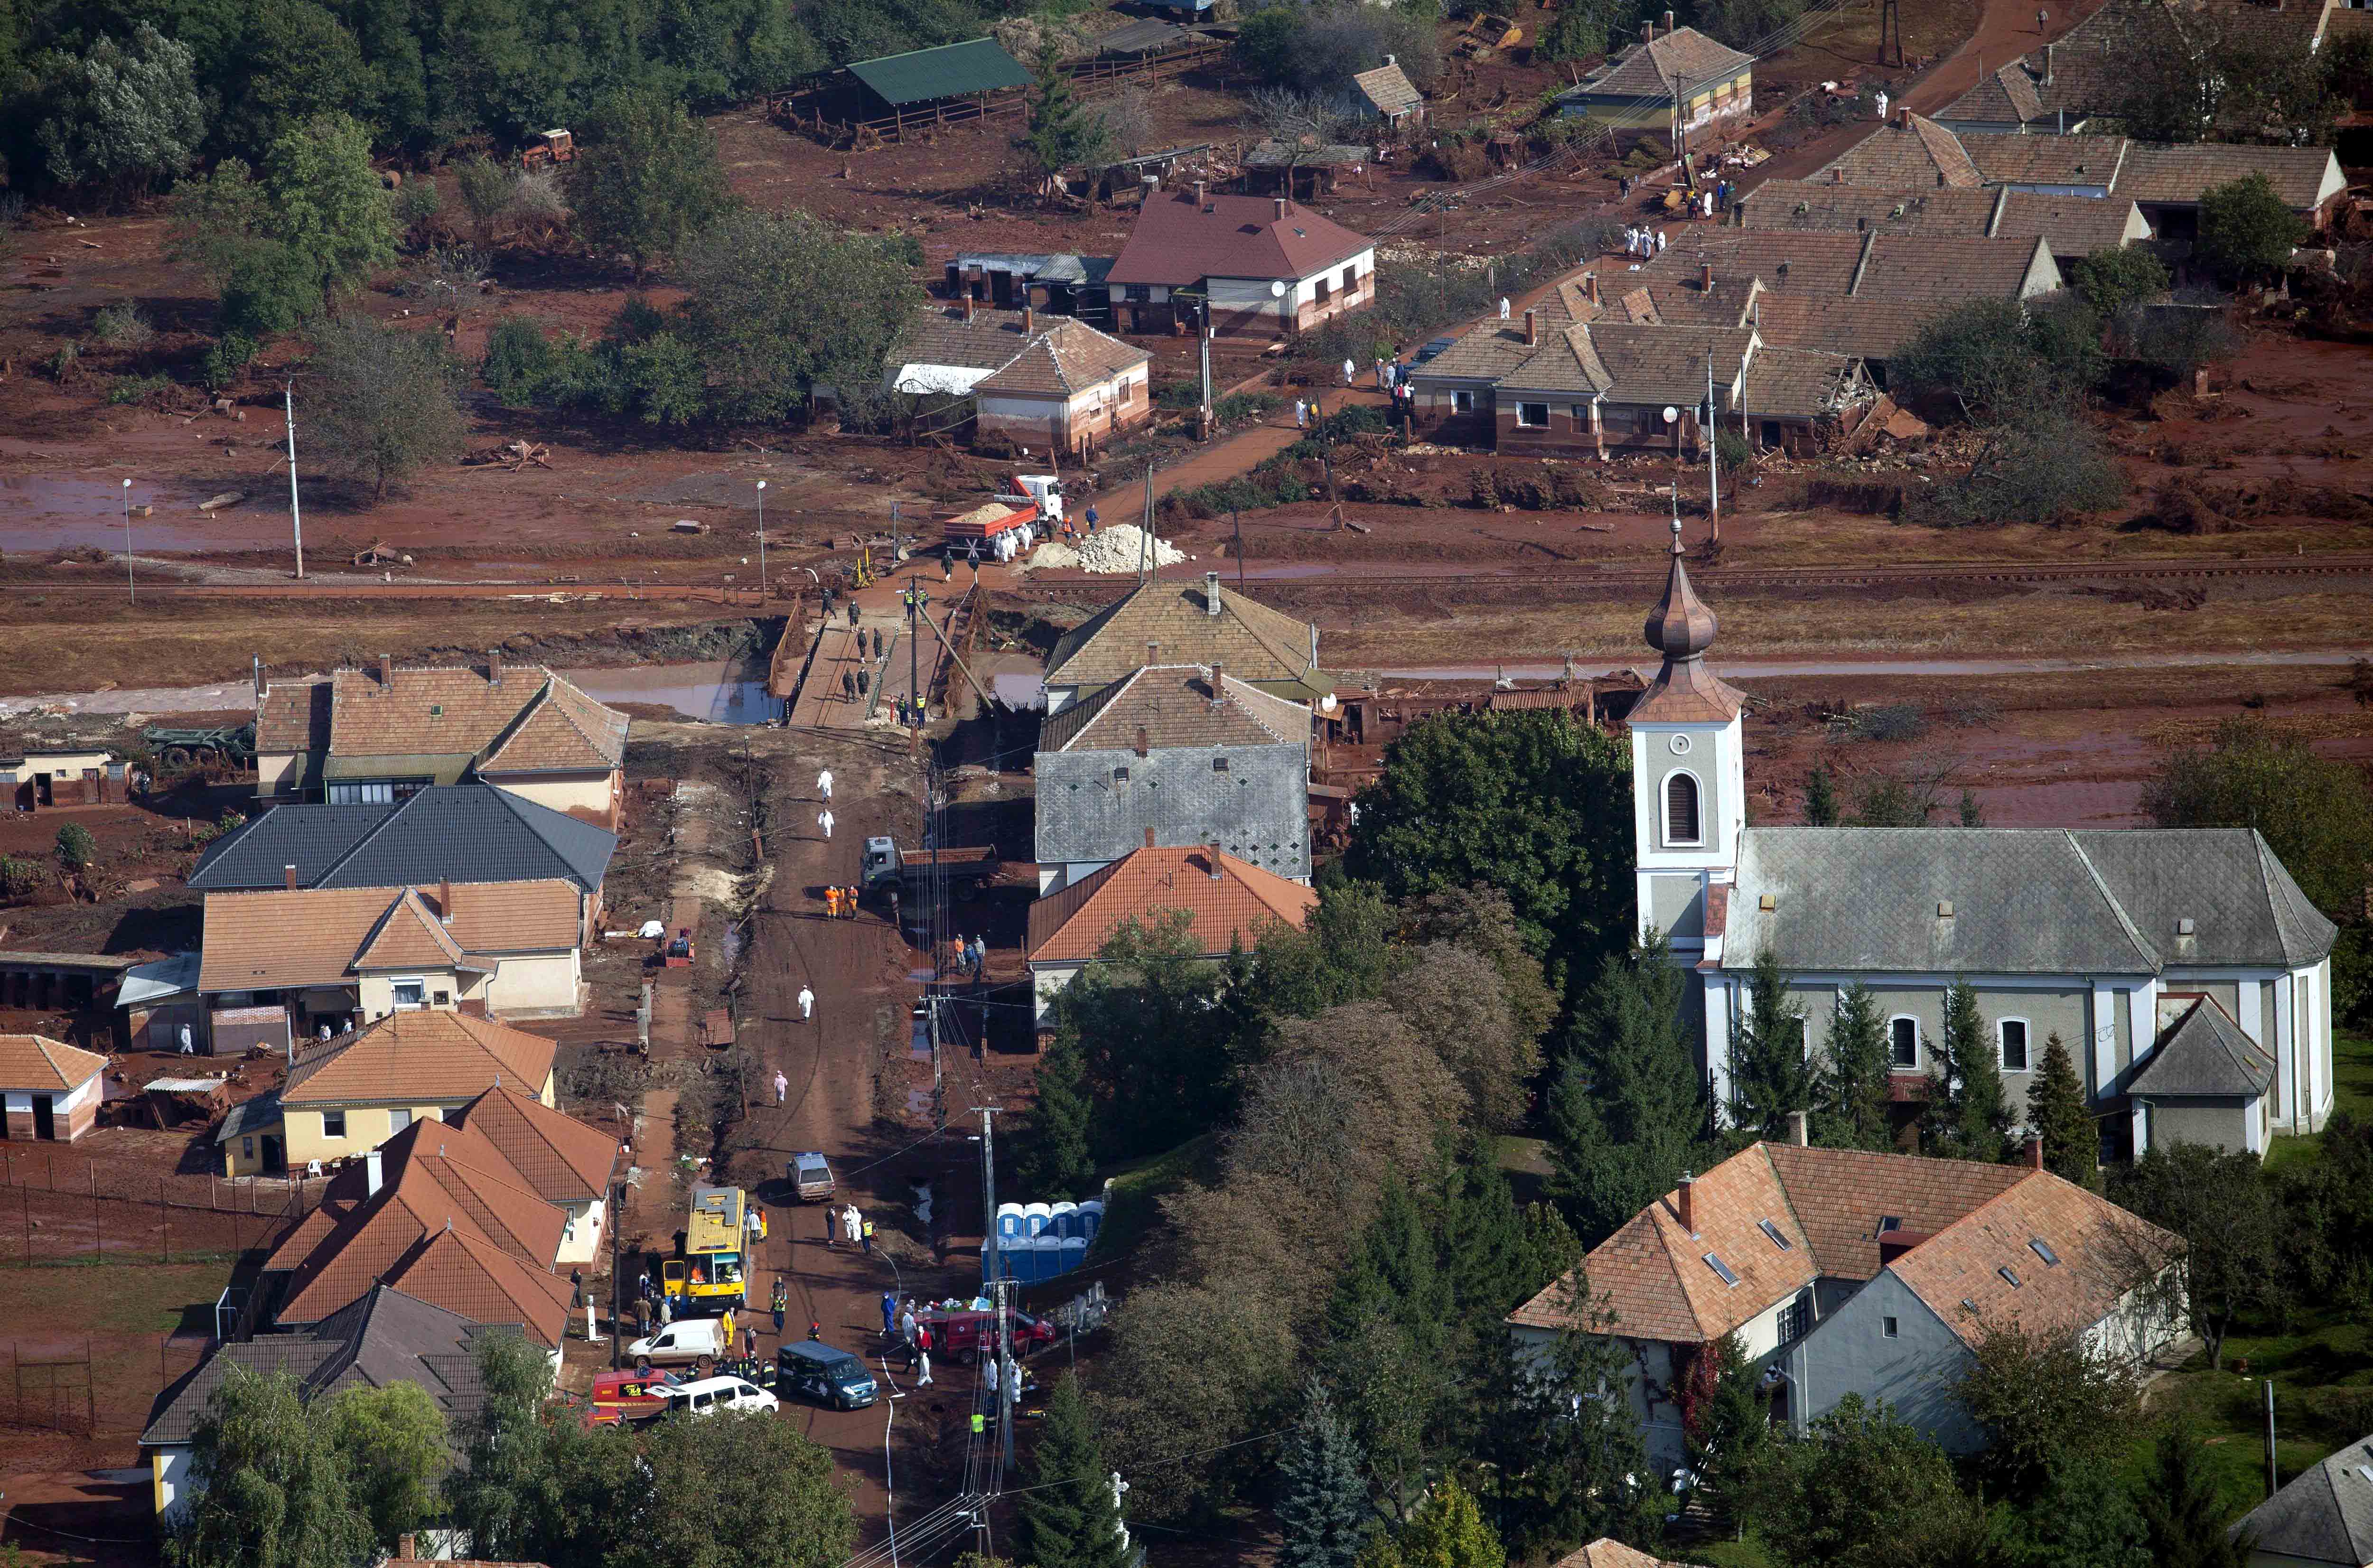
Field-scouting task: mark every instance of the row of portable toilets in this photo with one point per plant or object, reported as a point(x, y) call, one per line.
point(1039, 1241)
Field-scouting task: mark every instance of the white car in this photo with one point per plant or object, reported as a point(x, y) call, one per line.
point(685, 1340)
point(709, 1395)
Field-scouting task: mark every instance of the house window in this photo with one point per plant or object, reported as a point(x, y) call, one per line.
point(2042, 1249)
point(406, 994)
point(442, 998)
point(1121, 775)
point(1139, 293)
point(1323, 288)
point(1890, 1223)
point(2014, 1044)
point(1462, 402)
point(247, 1148)
point(1351, 280)
point(1771, 433)
point(1903, 1042)
point(374, 792)
point(1889, 1326)
point(1722, 1270)
point(1795, 1320)
point(1533, 415)
point(397, 1121)
point(1681, 824)
point(333, 1124)
point(2006, 1272)
point(1772, 1230)
point(1219, 765)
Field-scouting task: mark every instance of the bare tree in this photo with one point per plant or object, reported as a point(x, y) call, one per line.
point(1301, 123)
point(1128, 118)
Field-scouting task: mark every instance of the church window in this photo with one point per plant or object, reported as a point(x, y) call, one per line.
point(1903, 1043)
point(1681, 824)
point(2014, 1044)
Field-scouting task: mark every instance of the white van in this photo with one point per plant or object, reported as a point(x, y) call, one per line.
point(682, 1343)
point(710, 1395)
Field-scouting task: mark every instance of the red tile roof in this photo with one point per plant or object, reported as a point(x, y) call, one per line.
point(1178, 243)
point(564, 1159)
point(1073, 925)
point(1828, 1205)
point(41, 1065)
point(424, 1056)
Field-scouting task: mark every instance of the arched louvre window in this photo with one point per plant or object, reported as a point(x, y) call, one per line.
point(1681, 810)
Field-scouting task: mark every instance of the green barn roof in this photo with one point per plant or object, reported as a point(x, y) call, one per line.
point(951, 70)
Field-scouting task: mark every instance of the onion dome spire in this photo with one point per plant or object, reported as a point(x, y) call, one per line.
point(1680, 626)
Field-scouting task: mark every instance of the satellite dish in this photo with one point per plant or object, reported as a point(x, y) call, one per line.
point(1671, 414)
point(1277, 290)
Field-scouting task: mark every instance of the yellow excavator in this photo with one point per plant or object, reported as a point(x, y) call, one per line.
point(864, 575)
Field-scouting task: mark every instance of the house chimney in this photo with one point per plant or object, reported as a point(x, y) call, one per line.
point(2034, 1151)
point(1211, 853)
point(1219, 690)
point(494, 666)
point(258, 660)
point(1647, 32)
point(1211, 593)
point(1282, 205)
point(1903, 119)
point(1144, 742)
point(1705, 278)
point(1532, 328)
point(407, 1549)
point(1590, 286)
point(2047, 64)
point(1799, 1133)
point(1029, 320)
point(288, 878)
point(1149, 838)
point(1152, 654)
point(1687, 1207)
point(1668, 24)
point(371, 1174)
point(1199, 188)
point(445, 900)
point(387, 672)
point(968, 302)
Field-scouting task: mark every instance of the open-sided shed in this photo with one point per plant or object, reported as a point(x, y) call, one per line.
point(923, 77)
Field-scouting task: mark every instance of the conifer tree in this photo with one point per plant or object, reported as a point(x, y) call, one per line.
point(1068, 1517)
point(1629, 1113)
point(1855, 1078)
point(1054, 1159)
point(1969, 1113)
point(1322, 1502)
point(1772, 1072)
point(1061, 134)
point(2056, 1110)
point(1821, 799)
point(2184, 1516)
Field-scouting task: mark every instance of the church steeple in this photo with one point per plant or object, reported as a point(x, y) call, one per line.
point(1681, 628)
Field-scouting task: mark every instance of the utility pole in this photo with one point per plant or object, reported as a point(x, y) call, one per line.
point(1207, 372)
point(916, 600)
point(130, 587)
point(2272, 1486)
point(1007, 1374)
point(989, 1258)
point(295, 518)
point(617, 1278)
point(761, 539)
point(1713, 456)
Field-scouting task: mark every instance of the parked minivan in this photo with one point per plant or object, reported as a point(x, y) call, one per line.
point(813, 1370)
point(684, 1340)
point(709, 1395)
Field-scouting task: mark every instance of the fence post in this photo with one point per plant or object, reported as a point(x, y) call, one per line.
point(91, 1387)
point(25, 1197)
point(164, 1229)
point(97, 1235)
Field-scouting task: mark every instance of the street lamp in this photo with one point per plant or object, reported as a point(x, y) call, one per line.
point(130, 587)
point(761, 539)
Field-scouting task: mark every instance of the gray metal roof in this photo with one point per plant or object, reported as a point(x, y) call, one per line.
point(2024, 901)
point(311, 838)
point(382, 1337)
point(461, 831)
point(2242, 904)
point(948, 70)
point(2203, 1054)
point(2325, 1516)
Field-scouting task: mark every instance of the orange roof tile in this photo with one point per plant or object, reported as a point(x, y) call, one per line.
point(41, 1065)
point(1237, 900)
point(565, 730)
point(457, 711)
point(420, 1058)
point(322, 936)
point(293, 716)
point(561, 1157)
point(1607, 1552)
point(409, 937)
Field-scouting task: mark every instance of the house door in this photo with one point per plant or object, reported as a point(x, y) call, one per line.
point(273, 1162)
point(45, 1120)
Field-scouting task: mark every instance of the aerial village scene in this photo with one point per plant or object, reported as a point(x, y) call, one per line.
point(1186, 783)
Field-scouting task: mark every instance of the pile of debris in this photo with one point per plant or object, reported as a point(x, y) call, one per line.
point(1120, 548)
point(512, 455)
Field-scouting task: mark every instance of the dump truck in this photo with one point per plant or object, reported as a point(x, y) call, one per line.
point(706, 1273)
point(1036, 501)
point(886, 862)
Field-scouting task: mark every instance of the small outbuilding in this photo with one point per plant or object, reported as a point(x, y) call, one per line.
point(51, 1089)
point(1391, 95)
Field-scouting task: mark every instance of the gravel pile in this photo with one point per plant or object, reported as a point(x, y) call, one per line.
point(1119, 548)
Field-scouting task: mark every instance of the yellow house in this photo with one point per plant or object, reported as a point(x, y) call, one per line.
point(375, 736)
point(1679, 75)
point(351, 1094)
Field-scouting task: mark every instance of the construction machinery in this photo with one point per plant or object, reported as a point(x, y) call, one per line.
point(553, 147)
point(706, 1273)
point(228, 745)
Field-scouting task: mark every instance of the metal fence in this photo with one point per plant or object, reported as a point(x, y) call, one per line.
point(70, 1210)
point(70, 1387)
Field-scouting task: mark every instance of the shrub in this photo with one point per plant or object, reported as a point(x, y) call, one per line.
point(227, 356)
point(19, 876)
point(123, 325)
point(139, 389)
point(2042, 472)
point(1888, 721)
point(519, 363)
point(76, 846)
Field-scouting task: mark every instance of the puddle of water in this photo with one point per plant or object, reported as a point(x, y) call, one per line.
point(46, 512)
point(715, 693)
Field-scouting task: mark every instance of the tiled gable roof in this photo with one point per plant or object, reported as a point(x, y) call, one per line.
point(2007, 159)
point(2071, 226)
point(409, 937)
point(471, 832)
point(1172, 706)
point(1067, 357)
point(562, 730)
point(1650, 70)
point(566, 1160)
point(316, 937)
point(311, 837)
point(2203, 1053)
point(1493, 349)
point(1907, 153)
point(293, 716)
point(423, 1056)
point(1609, 1553)
point(1388, 89)
point(457, 711)
point(37, 1064)
point(1796, 382)
point(2303, 176)
point(1073, 925)
point(1247, 639)
point(2097, 1243)
point(1176, 242)
point(1568, 362)
point(2322, 1516)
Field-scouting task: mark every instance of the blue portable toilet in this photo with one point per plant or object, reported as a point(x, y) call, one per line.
point(1012, 1224)
point(1091, 1218)
point(1064, 1220)
point(1075, 1252)
point(1037, 1215)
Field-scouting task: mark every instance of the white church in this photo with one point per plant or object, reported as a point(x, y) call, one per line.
point(2183, 969)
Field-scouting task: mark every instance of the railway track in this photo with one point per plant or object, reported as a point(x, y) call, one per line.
point(1632, 581)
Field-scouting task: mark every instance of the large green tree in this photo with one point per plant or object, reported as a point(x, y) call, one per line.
point(1771, 1069)
point(1448, 1531)
point(2315, 813)
point(120, 116)
point(2235, 1239)
point(1628, 1111)
point(647, 181)
point(384, 401)
point(1855, 1092)
point(270, 1487)
point(396, 1441)
point(326, 202)
point(1533, 803)
point(2183, 1514)
point(2246, 226)
point(1139, 1020)
point(1322, 1515)
point(1864, 1490)
point(1068, 1517)
point(1061, 134)
point(742, 1489)
point(2047, 1404)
